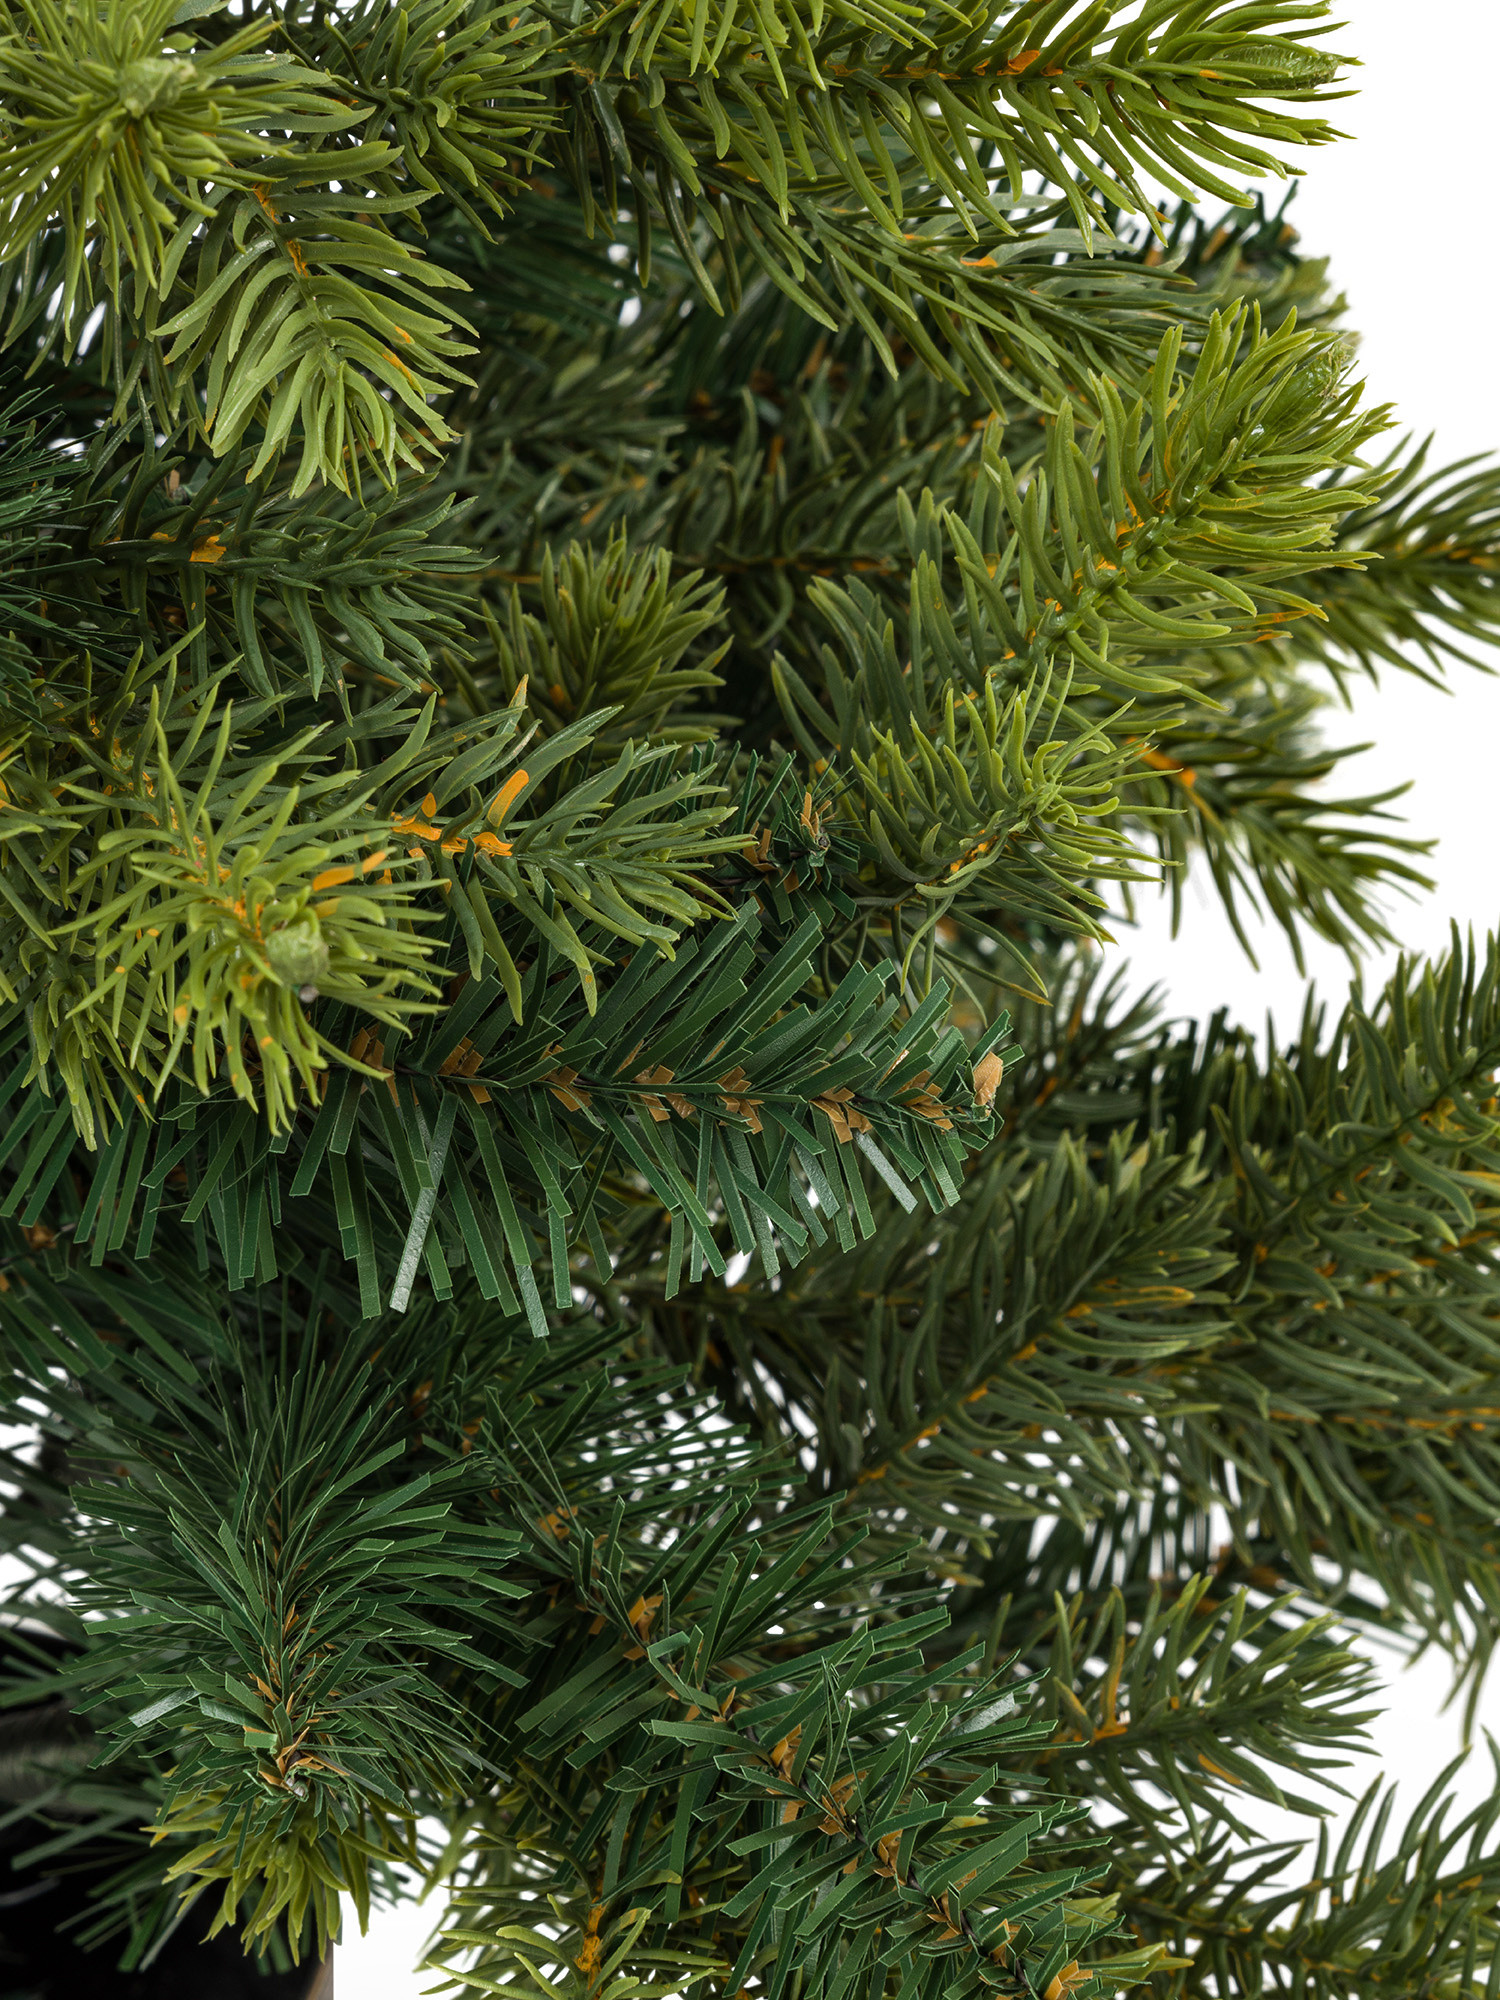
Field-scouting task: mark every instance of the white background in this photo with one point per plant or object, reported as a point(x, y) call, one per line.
point(1400, 207)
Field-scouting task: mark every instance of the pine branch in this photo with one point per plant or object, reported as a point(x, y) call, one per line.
point(1280, 1308)
point(1196, 1698)
point(1418, 1912)
point(1430, 543)
point(1242, 782)
point(651, 1647)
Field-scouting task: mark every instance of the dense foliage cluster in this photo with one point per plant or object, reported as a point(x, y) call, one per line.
point(606, 1306)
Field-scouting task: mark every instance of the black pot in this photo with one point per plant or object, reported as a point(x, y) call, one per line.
point(37, 1962)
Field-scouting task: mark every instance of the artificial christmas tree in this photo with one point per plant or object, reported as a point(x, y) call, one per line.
point(606, 1303)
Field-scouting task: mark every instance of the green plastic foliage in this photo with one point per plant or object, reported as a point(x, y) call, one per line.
point(1433, 538)
point(1263, 1279)
point(107, 115)
point(1243, 783)
point(271, 1642)
point(454, 91)
point(214, 919)
point(555, 1346)
point(31, 502)
point(283, 301)
point(855, 155)
point(253, 184)
point(614, 629)
point(1416, 1906)
point(488, 1144)
point(297, 1661)
point(301, 314)
point(1201, 1699)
